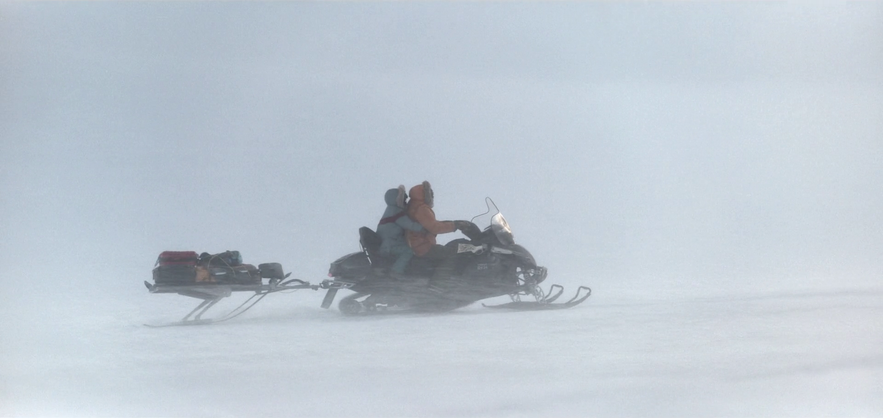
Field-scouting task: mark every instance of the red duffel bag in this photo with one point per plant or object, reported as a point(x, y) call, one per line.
point(177, 258)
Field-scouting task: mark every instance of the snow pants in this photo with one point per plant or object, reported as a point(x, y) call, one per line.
point(403, 254)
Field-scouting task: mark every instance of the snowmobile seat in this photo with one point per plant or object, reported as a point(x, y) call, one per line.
point(370, 242)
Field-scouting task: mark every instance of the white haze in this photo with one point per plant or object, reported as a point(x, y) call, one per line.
point(712, 170)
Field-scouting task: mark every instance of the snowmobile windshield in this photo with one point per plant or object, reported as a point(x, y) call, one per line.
point(501, 229)
point(498, 225)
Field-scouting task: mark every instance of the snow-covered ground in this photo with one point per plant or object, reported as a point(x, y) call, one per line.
point(702, 353)
point(712, 170)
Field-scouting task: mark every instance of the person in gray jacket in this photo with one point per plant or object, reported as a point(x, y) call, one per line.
point(392, 230)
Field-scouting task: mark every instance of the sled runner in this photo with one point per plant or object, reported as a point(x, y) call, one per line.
point(215, 277)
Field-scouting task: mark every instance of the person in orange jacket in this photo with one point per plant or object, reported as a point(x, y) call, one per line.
point(424, 243)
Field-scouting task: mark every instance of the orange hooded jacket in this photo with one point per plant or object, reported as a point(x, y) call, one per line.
point(420, 211)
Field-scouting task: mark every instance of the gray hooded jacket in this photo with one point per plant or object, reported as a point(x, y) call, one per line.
point(395, 220)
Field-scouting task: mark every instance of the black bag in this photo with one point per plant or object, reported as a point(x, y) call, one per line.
point(224, 259)
point(241, 274)
point(174, 275)
point(271, 271)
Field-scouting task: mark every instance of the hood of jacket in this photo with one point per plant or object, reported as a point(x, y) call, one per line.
point(396, 197)
point(422, 193)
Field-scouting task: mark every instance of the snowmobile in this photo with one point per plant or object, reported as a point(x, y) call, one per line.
point(489, 264)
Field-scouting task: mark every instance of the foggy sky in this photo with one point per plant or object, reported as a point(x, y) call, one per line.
point(666, 143)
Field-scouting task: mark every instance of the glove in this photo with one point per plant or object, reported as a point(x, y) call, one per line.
point(467, 228)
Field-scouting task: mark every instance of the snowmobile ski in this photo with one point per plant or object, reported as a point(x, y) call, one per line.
point(545, 304)
point(551, 297)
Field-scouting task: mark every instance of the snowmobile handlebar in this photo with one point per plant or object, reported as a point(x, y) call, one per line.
point(469, 229)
